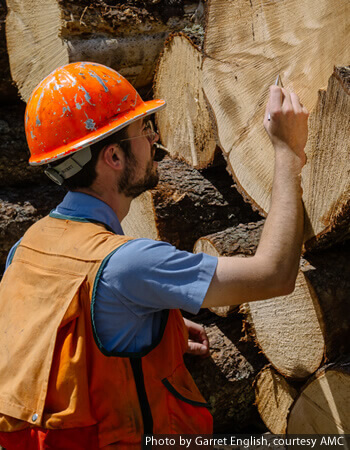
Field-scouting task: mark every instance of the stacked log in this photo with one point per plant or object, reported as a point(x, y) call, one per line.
point(8, 92)
point(302, 331)
point(322, 407)
point(241, 61)
point(325, 178)
point(226, 378)
point(185, 205)
point(318, 407)
point(296, 331)
point(20, 208)
point(274, 396)
point(241, 240)
point(185, 127)
point(42, 36)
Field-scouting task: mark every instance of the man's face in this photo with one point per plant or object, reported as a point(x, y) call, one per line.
point(140, 173)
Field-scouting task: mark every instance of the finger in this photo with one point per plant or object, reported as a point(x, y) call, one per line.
point(197, 348)
point(200, 338)
point(203, 339)
point(276, 97)
point(287, 102)
point(197, 331)
point(297, 106)
point(275, 103)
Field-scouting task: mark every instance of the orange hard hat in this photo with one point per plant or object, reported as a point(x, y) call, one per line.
point(77, 105)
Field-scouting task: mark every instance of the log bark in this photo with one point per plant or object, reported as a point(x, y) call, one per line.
point(274, 397)
point(125, 36)
point(185, 126)
point(226, 377)
point(186, 205)
point(14, 152)
point(19, 209)
point(328, 272)
point(241, 61)
point(240, 240)
point(323, 405)
point(234, 241)
point(296, 332)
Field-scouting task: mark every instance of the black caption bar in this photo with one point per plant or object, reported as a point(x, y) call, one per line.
point(245, 441)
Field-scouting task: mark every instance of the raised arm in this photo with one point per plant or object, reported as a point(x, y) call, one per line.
point(273, 269)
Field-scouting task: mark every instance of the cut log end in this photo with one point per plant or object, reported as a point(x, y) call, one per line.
point(273, 397)
point(288, 330)
point(185, 127)
point(328, 210)
point(236, 80)
point(323, 405)
point(34, 46)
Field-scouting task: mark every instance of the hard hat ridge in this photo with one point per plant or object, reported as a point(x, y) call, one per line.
point(78, 105)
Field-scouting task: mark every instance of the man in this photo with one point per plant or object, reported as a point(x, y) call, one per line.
point(92, 338)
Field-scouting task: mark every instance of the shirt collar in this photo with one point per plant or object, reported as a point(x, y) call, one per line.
point(84, 206)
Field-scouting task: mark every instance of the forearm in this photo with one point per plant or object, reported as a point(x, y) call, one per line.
point(272, 271)
point(282, 237)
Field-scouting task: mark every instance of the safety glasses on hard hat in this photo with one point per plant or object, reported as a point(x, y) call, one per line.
point(148, 131)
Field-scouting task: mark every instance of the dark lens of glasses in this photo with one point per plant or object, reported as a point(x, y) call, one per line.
point(149, 129)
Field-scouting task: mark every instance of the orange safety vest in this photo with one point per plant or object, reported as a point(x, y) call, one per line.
point(59, 388)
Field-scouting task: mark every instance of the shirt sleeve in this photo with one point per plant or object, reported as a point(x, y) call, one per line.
point(11, 254)
point(149, 276)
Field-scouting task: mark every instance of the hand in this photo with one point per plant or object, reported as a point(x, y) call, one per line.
point(198, 343)
point(288, 124)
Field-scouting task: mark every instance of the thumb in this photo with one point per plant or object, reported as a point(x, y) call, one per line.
point(197, 348)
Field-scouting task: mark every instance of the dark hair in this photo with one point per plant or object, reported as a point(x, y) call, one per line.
point(87, 175)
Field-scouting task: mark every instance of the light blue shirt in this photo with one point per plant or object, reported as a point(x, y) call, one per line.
point(140, 280)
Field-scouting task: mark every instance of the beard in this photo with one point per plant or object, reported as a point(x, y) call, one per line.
point(133, 189)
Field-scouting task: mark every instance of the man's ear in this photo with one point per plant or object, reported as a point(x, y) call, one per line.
point(113, 156)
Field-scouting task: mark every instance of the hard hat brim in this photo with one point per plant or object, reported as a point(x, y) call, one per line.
point(112, 126)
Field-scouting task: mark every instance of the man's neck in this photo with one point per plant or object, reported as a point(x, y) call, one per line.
point(118, 202)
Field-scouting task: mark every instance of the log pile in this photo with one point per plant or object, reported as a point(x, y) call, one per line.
point(123, 35)
point(20, 208)
point(186, 205)
point(215, 80)
point(241, 61)
point(241, 240)
point(226, 378)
